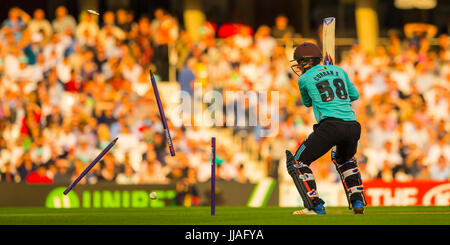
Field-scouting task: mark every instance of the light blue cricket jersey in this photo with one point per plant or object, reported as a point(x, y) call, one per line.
point(329, 91)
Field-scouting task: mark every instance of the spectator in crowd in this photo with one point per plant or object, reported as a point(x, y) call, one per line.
point(411, 155)
point(63, 173)
point(165, 29)
point(40, 25)
point(128, 176)
point(83, 151)
point(109, 34)
point(439, 149)
point(244, 38)
point(124, 20)
point(152, 173)
point(144, 28)
point(73, 83)
point(16, 22)
point(110, 171)
point(282, 29)
point(130, 69)
point(186, 77)
point(32, 52)
point(440, 170)
point(87, 30)
point(63, 21)
point(6, 175)
point(26, 166)
point(39, 176)
point(264, 41)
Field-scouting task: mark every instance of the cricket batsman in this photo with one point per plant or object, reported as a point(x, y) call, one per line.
point(329, 91)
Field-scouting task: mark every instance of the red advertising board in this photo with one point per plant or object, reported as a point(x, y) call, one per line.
point(411, 193)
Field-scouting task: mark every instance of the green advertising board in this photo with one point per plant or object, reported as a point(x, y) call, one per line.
point(133, 196)
point(108, 199)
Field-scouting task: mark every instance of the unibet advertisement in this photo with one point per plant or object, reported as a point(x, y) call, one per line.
point(264, 193)
point(108, 199)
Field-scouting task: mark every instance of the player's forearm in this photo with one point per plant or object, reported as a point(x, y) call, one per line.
point(307, 104)
point(306, 99)
point(354, 97)
point(353, 93)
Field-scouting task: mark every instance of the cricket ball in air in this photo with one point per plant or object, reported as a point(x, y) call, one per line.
point(153, 195)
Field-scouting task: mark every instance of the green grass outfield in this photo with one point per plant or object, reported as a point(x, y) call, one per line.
point(224, 216)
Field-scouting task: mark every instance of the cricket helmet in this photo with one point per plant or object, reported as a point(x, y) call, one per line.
point(306, 55)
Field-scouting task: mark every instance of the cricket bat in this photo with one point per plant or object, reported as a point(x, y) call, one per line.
point(328, 38)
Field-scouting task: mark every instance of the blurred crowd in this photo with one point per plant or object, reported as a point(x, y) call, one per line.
point(67, 88)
